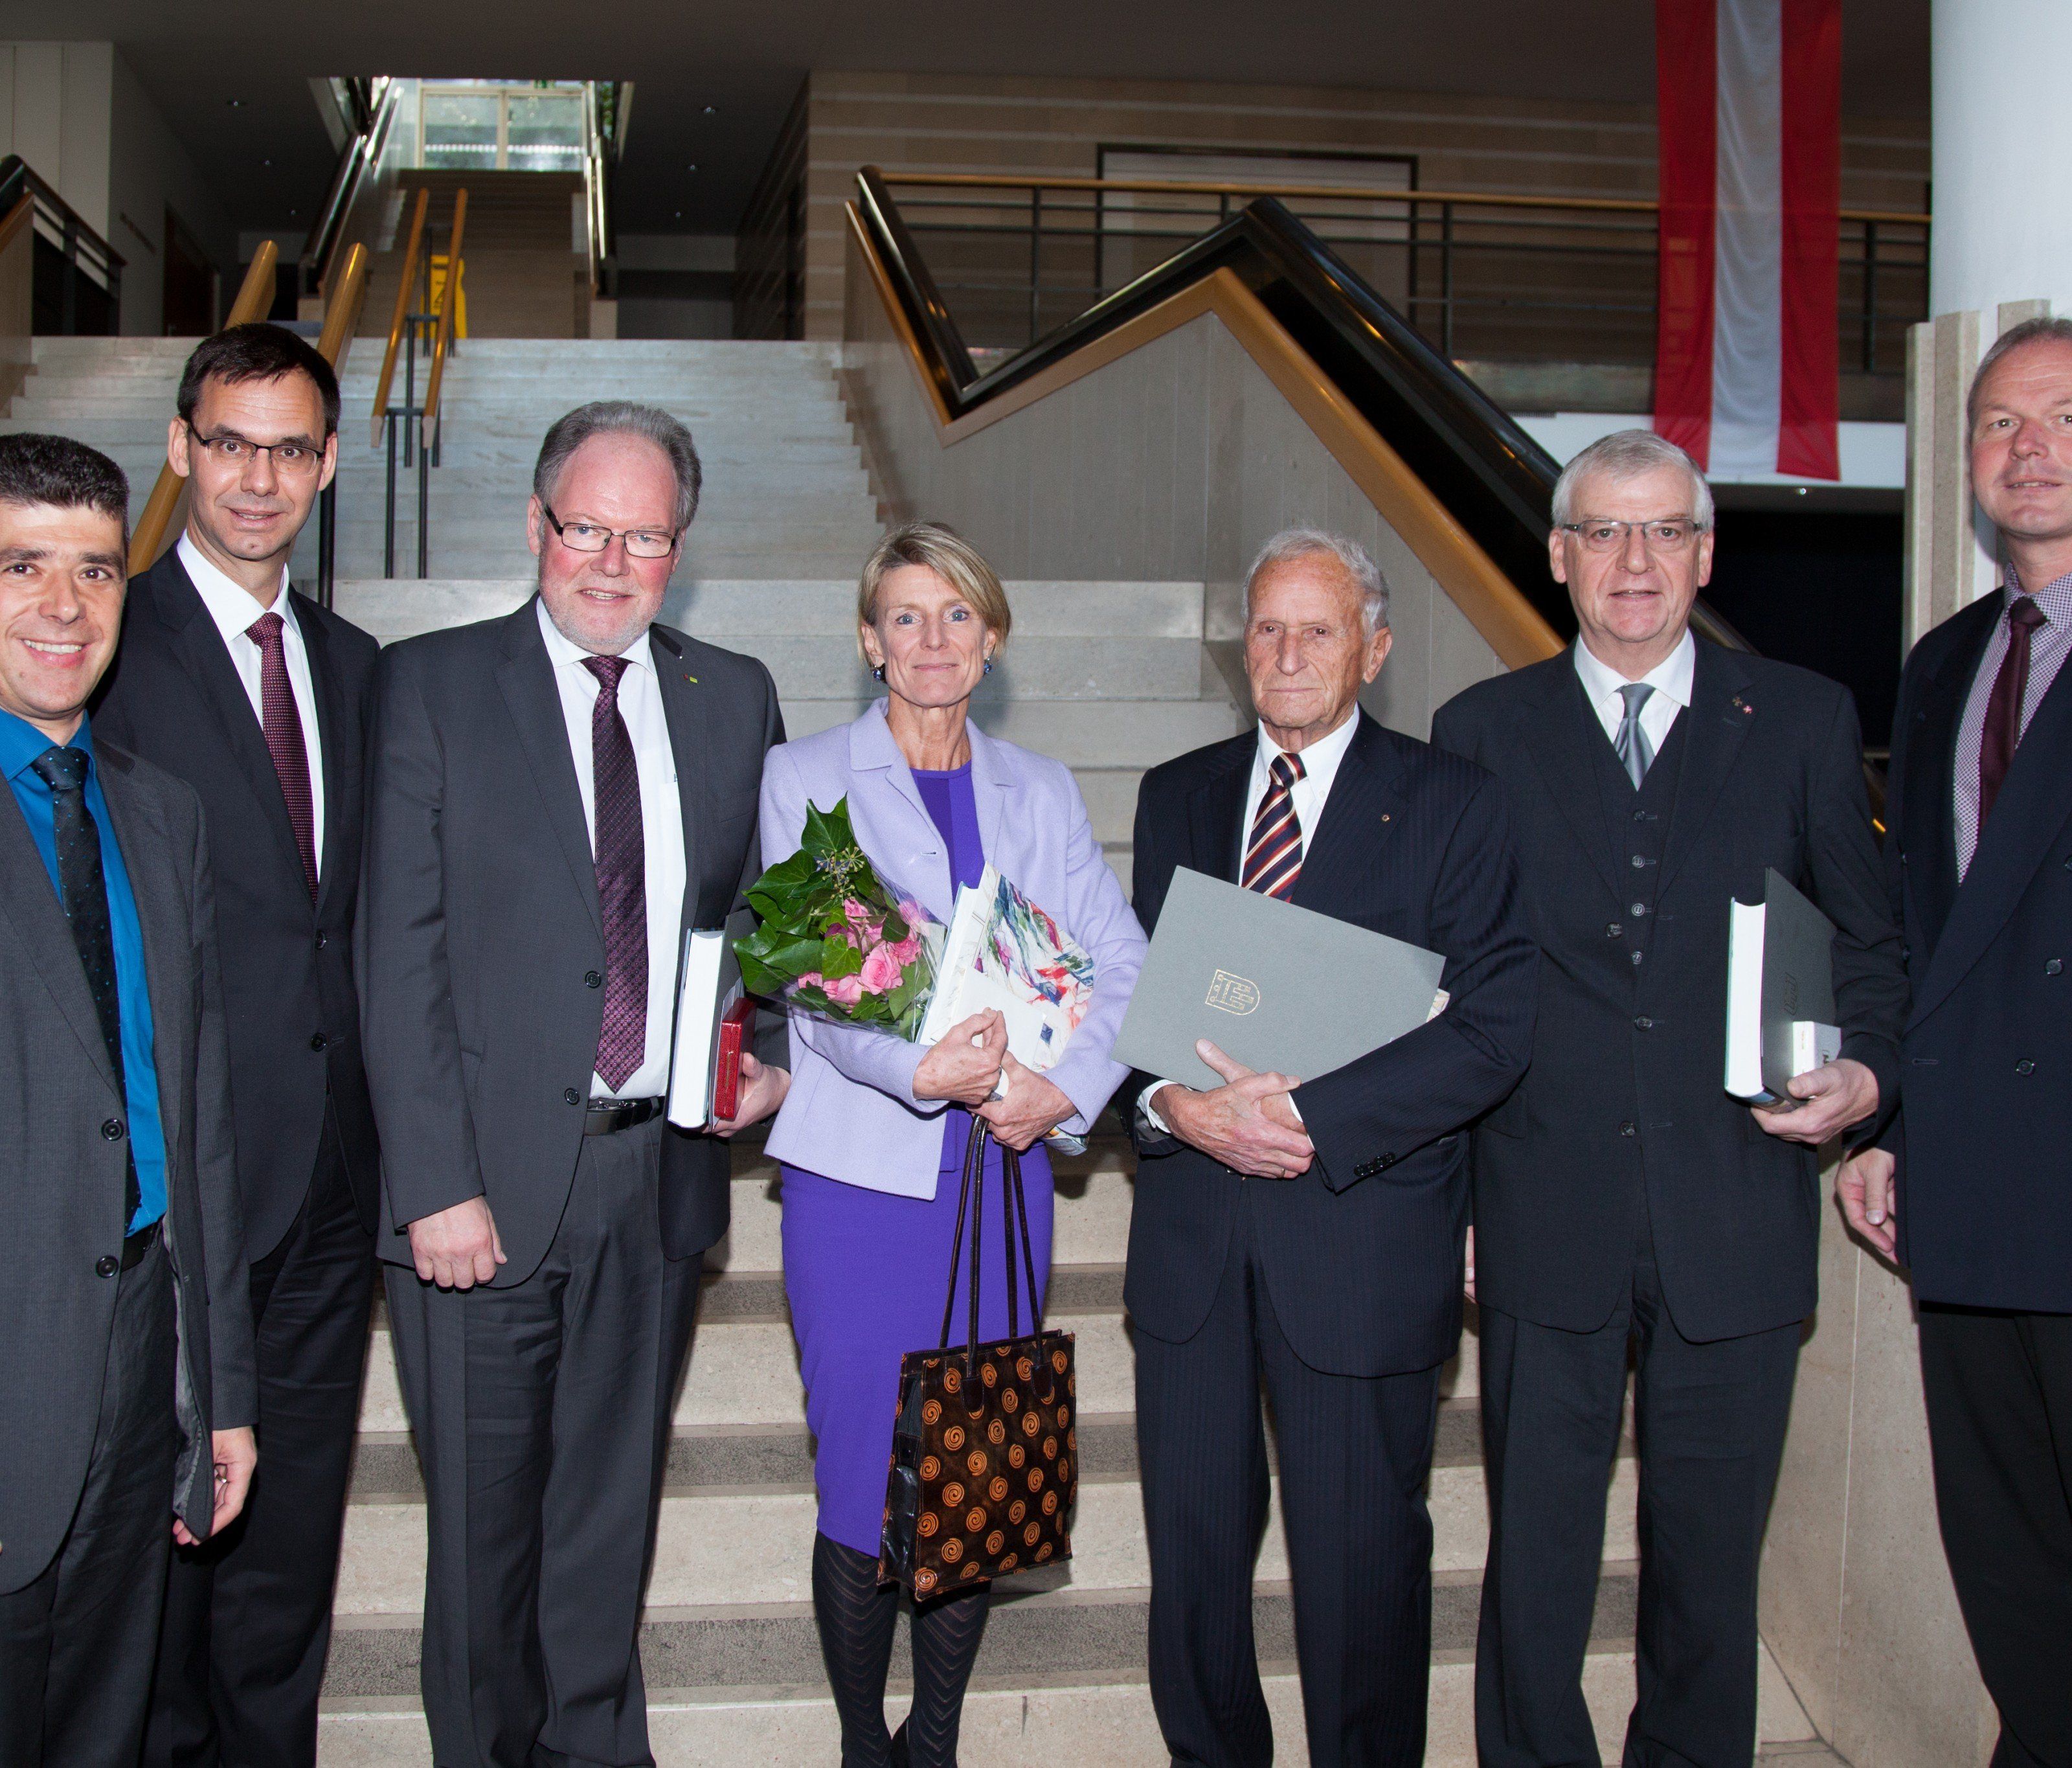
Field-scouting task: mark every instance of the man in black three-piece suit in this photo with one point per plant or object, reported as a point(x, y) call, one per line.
point(1312, 1232)
point(1622, 1198)
point(1979, 867)
point(260, 700)
point(126, 1391)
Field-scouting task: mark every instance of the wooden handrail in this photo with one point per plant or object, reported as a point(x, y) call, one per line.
point(397, 322)
point(449, 306)
point(22, 215)
point(161, 517)
point(1493, 606)
point(342, 309)
point(1166, 187)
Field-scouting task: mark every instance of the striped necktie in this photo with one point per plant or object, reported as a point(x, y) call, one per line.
point(1273, 857)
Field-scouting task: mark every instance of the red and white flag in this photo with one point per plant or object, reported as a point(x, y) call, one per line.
point(1747, 360)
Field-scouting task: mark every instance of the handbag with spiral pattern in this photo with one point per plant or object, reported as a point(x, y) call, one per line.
point(984, 1446)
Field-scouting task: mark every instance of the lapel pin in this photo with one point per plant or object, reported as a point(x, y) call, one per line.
point(693, 679)
point(1745, 706)
point(1384, 816)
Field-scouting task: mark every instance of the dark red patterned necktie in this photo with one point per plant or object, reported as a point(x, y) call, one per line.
point(283, 724)
point(619, 849)
point(2003, 729)
point(1273, 857)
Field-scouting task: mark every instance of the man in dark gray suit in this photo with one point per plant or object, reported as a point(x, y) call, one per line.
point(556, 797)
point(126, 1384)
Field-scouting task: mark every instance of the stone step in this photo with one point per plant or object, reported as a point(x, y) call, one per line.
point(723, 610)
point(1013, 1720)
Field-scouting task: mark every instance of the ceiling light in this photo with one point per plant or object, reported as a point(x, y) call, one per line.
point(692, 167)
point(711, 110)
point(266, 163)
point(679, 214)
point(237, 104)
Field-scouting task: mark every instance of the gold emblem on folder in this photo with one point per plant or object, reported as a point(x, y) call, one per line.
point(1233, 994)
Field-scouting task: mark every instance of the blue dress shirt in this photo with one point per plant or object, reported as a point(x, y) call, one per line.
point(20, 744)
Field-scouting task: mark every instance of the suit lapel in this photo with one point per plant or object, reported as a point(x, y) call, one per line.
point(1215, 810)
point(526, 678)
point(1348, 839)
point(1560, 741)
point(684, 711)
point(1720, 713)
point(161, 916)
point(198, 644)
point(29, 901)
point(991, 786)
point(341, 807)
point(2030, 812)
point(1930, 838)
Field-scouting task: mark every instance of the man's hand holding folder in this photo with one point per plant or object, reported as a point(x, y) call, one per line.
point(1249, 1123)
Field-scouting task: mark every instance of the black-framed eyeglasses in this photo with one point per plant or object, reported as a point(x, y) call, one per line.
point(1666, 534)
point(296, 459)
point(641, 543)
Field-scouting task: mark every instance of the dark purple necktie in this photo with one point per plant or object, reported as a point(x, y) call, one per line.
point(619, 850)
point(2002, 733)
point(283, 724)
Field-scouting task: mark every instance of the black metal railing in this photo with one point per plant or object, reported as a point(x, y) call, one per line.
point(1481, 275)
point(369, 108)
point(78, 275)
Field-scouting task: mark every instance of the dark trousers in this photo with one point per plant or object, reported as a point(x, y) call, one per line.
point(77, 1642)
point(1999, 1387)
point(1354, 1455)
point(248, 1614)
point(1710, 1419)
point(542, 1416)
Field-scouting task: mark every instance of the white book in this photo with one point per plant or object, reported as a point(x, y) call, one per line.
point(1004, 953)
point(707, 992)
point(1780, 993)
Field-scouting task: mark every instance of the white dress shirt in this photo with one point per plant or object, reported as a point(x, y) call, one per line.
point(1320, 767)
point(661, 827)
point(234, 609)
point(1670, 680)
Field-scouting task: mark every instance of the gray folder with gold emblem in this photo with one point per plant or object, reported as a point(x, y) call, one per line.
point(1274, 985)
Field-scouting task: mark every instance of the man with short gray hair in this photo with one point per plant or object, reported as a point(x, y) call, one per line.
point(1304, 1234)
point(557, 798)
point(1624, 1202)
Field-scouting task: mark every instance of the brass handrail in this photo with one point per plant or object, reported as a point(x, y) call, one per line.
point(155, 526)
point(396, 324)
point(1166, 187)
point(449, 306)
point(342, 313)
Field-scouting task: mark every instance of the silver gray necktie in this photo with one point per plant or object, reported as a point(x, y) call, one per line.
point(1634, 750)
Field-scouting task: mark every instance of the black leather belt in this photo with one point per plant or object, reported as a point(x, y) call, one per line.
point(608, 1117)
point(135, 1246)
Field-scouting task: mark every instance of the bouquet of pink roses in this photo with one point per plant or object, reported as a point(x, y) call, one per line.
point(833, 939)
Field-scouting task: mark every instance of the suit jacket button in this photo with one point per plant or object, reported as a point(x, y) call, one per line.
point(112, 1130)
point(1613, 930)
point(323, 938)
point(2053, 966)
point(318, 1041)
point(1641, 1022)
point(592, 979)
point(106, 1265)
point(1628, 1129)
point(570, 1096)
point(2025, 1066)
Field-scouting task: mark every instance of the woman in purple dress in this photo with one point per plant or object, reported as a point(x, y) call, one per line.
point(871, 1140)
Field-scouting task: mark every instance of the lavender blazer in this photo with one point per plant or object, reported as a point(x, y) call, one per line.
point(851, 1114)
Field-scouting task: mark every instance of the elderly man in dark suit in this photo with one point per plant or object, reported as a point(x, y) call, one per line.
point(1623, 1201)
point(557, 797)
point(1312, 1234)
point(260, 700)
point(126, 1396)
point(1979, 864)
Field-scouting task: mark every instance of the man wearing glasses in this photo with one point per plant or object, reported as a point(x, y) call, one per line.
point(261, 702)
point(1624, 1204)
point(557, 797)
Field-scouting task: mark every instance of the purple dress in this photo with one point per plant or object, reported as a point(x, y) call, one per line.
point(865, 1271)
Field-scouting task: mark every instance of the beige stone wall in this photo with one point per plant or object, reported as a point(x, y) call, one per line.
point(1856, 1603)
point(942, 123)
point(1175, 462)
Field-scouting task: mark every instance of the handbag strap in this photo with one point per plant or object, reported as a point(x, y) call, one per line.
point(1014, 1212)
